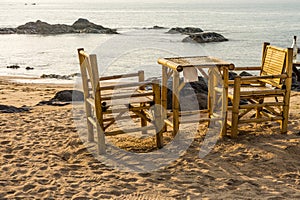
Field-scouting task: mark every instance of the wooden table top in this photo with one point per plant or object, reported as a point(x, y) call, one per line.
point(178, 63)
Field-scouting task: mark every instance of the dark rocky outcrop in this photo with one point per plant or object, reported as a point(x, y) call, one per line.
point(186, 31)
point(244, 73)
point(193, 96)
point(13, 109)
point(63, 98)
point(205, 37)
point(63, 77)
point(156, 27)
point(39, 27)
point(8, 30)
point(84, 26)
point(13, 67)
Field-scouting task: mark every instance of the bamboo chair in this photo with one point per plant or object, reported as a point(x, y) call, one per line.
point(108, 101)
point(267, 95)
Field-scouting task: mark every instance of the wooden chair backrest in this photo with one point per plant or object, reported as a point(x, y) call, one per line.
point(89, 70)
point(91, 79)
point(274, 63)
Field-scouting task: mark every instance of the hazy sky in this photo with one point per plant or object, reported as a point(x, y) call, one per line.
point(156, 1)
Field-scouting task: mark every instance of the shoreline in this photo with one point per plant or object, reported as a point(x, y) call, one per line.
point(38, 80)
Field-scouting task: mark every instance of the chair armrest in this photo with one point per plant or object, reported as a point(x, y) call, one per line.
point(125, 85)
point(247, 68)
point(250, 78)
point(105, 78)
point(255, 79)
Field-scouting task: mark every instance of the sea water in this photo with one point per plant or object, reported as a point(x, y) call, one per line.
point(246, 25)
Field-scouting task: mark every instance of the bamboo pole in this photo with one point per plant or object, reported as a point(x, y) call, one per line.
point(181, 86)
point(158, 118)
point(118, 132)
point(254, 94)
point(203, 72)
point(141, 78)
point(100, 125)
point(164, 93)
point(225, 99)
point(120, 118)
point(235, 107)
point(117, 110)
point(175, 103)
point(209, 95)
point(94, 74)
point(82, 57)
point(288, 85)
point(119, 86)
point(106, 78)
point(254, 106)
point(170, 64)
point(254, 68)
point(249, 78)
point(168, 122)
point(259, 120)
point(114, 97)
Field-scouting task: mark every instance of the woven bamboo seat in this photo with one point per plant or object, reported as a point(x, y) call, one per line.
point(267, 95)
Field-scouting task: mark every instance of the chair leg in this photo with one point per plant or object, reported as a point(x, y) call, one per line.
point(258, 110)
point(158, 118)
point(143, 121)
point(90, 126)
point(101, 140)
point(235, 107)
point(285, 116)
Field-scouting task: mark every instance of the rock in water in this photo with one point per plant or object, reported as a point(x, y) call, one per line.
point(84, 26)
point(187, 30)
point(205, 37)
point(13, 67)
point(8, 30)
point(39, 27)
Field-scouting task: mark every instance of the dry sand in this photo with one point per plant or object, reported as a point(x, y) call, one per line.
point(42, 157)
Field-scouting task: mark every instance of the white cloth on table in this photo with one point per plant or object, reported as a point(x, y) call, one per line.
point(190, 74)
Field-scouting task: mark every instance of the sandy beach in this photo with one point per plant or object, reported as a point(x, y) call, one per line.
point(42, 157)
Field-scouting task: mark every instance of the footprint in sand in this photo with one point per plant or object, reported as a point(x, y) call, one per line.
point(8, 156)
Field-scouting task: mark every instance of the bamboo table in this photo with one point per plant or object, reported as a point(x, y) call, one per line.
point(173, 67)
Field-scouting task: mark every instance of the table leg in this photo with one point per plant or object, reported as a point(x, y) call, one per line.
point(175, 102)
point(225, 99)
point(164, 94)
point(209, 94)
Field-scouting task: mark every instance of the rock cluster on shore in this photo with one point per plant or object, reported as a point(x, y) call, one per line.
point(198, 35)
point(39, 27)
point(63, 77)
point(13, 109)
point(64, 97)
